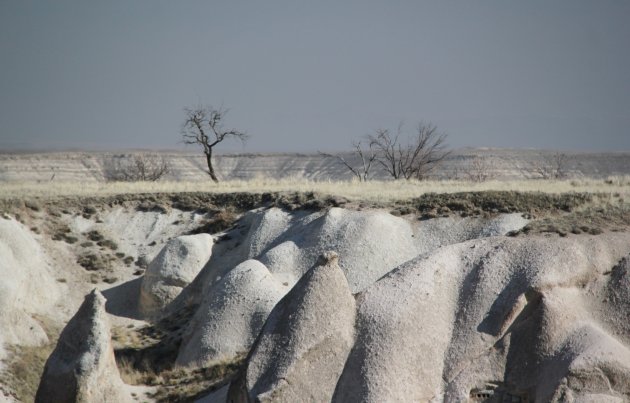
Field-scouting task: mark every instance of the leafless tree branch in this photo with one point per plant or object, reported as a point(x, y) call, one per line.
point(204, 126)
point(413, 159)
point(552, 166)
point(133, 168)
point(367, 157)
point(480, 169)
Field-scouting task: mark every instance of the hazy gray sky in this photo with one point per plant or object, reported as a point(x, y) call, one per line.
point(303, 76)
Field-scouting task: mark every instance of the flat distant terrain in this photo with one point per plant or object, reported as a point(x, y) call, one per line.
point(189, 166)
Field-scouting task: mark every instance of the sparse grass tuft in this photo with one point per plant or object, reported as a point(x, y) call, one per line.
point(63, 233)
point(217, 221)
point(93, 262)
point(150, 349)
point(593, 220)
point(95, 236)
point(108, 243)
point(128, 373)
point(146, 356)
point(472, 203)
point(185, 385)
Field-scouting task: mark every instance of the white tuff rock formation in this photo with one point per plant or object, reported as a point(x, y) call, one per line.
point(82, 368)
point(177, 264)
point(26, 285)
point(302, 348)
point(234, 300)
point(515, 317)
point(231, 316)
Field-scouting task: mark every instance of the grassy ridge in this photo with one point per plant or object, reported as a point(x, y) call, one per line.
point(373, 191)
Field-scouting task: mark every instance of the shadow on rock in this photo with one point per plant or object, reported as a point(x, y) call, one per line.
point(122, 300)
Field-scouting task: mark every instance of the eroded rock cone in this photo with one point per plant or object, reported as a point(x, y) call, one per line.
point(304, 344)
point(176, 266)
point(82, 368)
point(231, 317)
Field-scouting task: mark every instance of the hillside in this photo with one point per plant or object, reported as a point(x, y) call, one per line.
point(188, 166)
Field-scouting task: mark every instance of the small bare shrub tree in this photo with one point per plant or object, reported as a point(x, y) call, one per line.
point(204, 126)
point(480, 169)
point(413, 157)
point(136, 167)
point(367, 157)
point(552, 166)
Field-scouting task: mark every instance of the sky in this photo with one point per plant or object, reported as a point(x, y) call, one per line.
point(303, 76)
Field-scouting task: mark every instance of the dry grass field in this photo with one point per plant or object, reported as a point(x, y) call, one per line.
point(372, 191)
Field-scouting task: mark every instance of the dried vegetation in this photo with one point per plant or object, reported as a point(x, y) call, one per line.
point(146, 356)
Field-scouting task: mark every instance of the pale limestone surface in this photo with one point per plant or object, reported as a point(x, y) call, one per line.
point(369, 243)
point(27, 285)
point(286, 245)
point(231, 316)
point(82, 367)
point(302, 349)
point(176, 266)
point(527, 313)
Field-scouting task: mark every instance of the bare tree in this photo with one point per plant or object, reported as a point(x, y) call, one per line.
point(552, 166)
point(480, 169)
point(411, 159)
point(367, 157)
point(138, 167)
point(204, 126)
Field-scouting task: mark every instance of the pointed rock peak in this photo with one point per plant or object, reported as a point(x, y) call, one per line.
point(328, 258)
point(82, 368)
point(302, 349)
point(91, 314)
point(324, 274)
point(95, 298)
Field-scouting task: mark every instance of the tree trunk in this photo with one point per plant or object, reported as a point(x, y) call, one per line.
point(210, 168)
